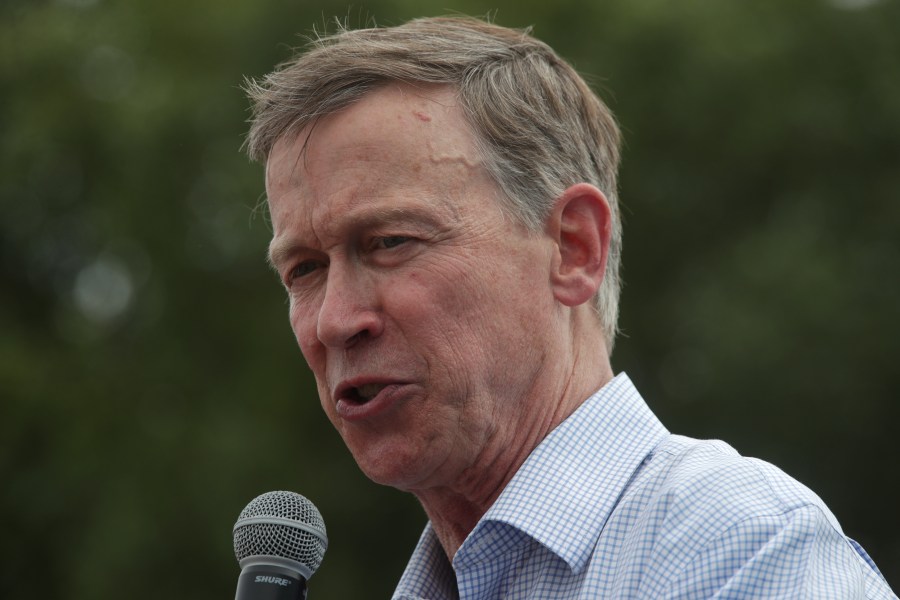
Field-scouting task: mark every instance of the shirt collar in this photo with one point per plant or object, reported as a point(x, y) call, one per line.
point(562, 495)
point(428, 573)
point(567, 488)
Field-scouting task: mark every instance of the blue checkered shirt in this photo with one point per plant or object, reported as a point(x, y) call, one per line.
point(611, 505)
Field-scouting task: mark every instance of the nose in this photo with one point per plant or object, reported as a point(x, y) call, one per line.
point(349, 312)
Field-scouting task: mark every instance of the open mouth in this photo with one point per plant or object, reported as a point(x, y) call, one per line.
point(363, 393)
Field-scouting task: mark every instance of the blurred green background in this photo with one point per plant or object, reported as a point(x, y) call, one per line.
point(150, 384)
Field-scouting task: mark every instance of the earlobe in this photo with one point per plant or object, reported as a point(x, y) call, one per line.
point(580, 226)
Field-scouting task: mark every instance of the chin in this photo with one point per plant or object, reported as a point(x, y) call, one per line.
point(394, 465)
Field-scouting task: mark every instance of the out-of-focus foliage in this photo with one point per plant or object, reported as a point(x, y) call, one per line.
point(149, 382)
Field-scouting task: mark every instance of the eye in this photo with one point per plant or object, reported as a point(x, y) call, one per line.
point(391, 241)
point(302, 270)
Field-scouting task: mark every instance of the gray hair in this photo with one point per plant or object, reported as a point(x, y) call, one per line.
point(539, 127)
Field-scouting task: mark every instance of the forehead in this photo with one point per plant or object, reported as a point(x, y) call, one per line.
point(398, 135)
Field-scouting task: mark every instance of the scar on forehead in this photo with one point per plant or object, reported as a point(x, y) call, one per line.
point(422, 116)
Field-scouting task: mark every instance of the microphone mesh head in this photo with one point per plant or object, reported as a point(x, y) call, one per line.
point(282, 524)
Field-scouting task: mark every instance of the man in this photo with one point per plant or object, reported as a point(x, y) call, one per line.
point(443, 199)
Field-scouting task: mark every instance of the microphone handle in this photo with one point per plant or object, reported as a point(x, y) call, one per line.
point(270, 582)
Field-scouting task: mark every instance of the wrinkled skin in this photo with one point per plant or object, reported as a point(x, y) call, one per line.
point(442, 343)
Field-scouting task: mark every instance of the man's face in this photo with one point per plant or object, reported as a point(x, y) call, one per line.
point(422, 310)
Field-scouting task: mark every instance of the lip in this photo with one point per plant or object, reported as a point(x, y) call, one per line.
point(349, 409)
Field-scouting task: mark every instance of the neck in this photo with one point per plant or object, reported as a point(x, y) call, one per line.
point(455, 510)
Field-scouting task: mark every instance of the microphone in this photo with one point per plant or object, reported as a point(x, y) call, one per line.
point(279, 542)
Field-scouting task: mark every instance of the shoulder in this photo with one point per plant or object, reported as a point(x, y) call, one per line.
point(702, 491)
point(701, 517)
point(708, 479)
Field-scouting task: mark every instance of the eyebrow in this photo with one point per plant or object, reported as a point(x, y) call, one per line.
point(281, 249)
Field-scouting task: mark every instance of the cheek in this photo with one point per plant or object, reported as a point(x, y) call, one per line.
point(493, 314)
point(446, 320)
point(303, 324)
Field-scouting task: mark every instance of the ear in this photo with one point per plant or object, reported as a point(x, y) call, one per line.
point(580, 226)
